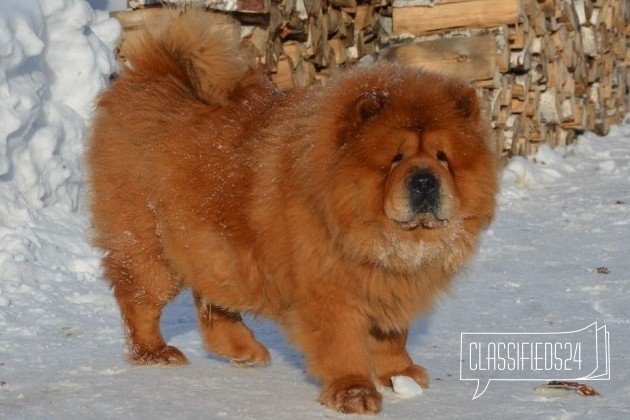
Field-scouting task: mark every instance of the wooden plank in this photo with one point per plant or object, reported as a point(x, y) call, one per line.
point(473, 14)
point(283, 78)
point(141, 18)
point(428, 3)
point(242, 6)
point(472, 58)
point(364, 16)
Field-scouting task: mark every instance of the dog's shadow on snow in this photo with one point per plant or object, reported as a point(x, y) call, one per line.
point(179, 318)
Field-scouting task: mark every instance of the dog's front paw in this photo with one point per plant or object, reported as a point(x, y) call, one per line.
point(352, 394)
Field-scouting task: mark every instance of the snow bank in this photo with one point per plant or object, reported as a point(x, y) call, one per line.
point(545, 167)
point(55, 56)
point(552, 166)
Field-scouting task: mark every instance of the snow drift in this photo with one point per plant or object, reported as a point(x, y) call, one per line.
point(55, 57)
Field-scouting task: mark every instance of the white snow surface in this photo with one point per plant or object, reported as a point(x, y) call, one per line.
point(562, 214)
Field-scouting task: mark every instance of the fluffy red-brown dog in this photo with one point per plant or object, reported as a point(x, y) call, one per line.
point(339, 211)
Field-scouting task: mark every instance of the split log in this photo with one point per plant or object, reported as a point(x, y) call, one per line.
point(472, 58)
point(442, 16)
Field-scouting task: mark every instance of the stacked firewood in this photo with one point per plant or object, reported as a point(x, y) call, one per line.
point(299, 42)
point(546, 70)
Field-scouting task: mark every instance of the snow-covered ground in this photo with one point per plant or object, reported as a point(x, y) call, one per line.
point(61, 341)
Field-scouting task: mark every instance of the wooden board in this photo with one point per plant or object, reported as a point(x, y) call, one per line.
point(472, 58)
point(242, 6)
point(431, 3)
point(472, 14)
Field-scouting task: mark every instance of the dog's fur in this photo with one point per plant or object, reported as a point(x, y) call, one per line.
point(293, 206)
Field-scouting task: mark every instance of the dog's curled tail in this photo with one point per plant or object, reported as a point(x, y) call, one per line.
point(200, 50)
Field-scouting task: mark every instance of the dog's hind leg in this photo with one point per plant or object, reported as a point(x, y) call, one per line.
point(143, 285)
point(225, 334)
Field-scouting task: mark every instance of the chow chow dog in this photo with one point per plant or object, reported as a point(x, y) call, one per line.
point(340, 211)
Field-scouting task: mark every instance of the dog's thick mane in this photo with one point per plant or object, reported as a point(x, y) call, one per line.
point(199, 50)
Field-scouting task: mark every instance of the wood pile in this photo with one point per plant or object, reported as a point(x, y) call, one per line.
point(546, 70)
point(299, 42)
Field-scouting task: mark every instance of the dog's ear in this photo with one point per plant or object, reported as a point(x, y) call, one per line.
point(466, 102)
point(368, 106)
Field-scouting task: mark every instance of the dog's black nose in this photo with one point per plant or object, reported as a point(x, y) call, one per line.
point(424, 191)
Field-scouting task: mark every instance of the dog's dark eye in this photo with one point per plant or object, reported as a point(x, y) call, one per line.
point(397, 158)
point(441, 156)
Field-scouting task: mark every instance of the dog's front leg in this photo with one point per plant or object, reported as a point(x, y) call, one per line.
point(390, 358)
point(334, 338)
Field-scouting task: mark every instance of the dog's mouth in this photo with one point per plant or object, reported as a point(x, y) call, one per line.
point(425, 221)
